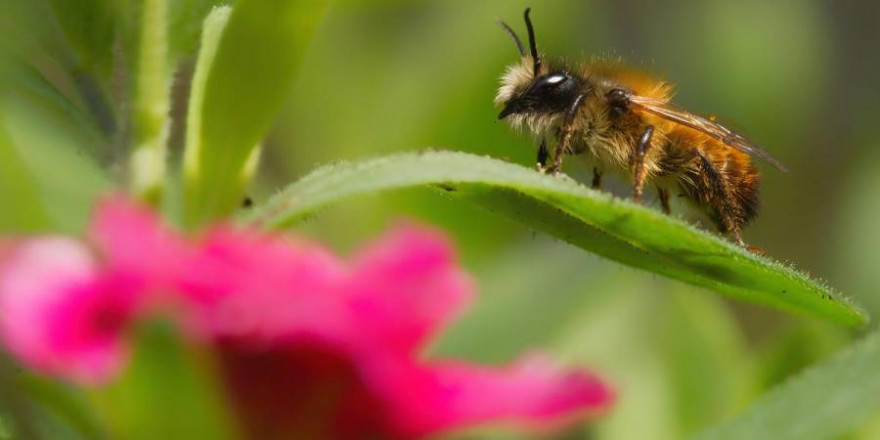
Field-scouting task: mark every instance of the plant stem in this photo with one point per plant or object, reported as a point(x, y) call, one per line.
point(151, 103)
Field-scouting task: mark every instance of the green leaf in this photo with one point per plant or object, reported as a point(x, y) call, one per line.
point(18, 190)
point(185, 25)
point(62, 404)
point(18, 76)
point(18, 419)
point(89, 27)
point(212, 30)
point(254, 64)
point(52, 151)
point(828, 400)
point(593, 220)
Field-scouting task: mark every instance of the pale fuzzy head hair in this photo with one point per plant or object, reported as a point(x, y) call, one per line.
point(519, 77)
point(516, 79)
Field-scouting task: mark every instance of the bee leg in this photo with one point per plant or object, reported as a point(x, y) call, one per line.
point(737, 238)
point(723, 205)
point(664, 200)
point(597, 178)
point(543, 155)
point(566, 131)
point(639, 167)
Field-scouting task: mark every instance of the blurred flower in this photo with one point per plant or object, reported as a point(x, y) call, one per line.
point(65, 311)
point(58, 314)
point(309, 346)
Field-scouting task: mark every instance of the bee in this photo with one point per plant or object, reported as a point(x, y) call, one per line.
point(624, 121)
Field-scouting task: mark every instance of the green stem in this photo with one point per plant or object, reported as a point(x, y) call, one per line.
point(151, 103)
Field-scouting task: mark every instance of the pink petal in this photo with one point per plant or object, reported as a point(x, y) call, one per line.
point(244, 283)
point(308, 346)
point(57, 315)
point(531, 394)
point(302, 389)
point(407, 286)
point(136, 245)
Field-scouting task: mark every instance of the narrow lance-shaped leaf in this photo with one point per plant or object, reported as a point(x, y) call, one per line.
point(245, 86)
point(825, 402)
point(212, 30)
point(185, 25)
point(608, 226)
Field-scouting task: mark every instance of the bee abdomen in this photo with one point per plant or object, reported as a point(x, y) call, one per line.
point(719, 179)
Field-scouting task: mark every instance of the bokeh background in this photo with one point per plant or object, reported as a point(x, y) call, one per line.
point(798, 76)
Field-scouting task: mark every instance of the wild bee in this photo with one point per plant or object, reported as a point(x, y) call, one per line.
point(623, 121)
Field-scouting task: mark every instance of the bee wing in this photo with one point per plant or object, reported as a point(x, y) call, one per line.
point(677, 114)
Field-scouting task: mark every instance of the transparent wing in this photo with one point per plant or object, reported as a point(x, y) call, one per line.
point(677, 114)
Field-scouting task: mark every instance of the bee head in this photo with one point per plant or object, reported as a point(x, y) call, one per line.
point(531, 88)
point(550, 93)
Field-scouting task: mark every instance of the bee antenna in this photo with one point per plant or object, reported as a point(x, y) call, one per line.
point(509, 30)
point(532, 45)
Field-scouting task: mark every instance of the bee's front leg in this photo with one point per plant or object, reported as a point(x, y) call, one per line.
point(639, 165)
point(543, 155)
point(566, 132)
point(597, 178)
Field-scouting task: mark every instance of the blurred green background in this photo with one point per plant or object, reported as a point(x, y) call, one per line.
point(798, 76)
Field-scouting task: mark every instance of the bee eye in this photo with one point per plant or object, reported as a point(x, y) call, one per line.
point(555, 79)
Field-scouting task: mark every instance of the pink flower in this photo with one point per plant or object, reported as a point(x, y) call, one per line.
point(65, 310)
point(135, 247)
point(339, 355)
point(58, 315)
point(309, 345)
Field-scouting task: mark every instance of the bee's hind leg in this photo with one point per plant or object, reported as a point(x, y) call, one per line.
point(728, 215)
point(639, 163)
point(664, 200)
point(737, 238)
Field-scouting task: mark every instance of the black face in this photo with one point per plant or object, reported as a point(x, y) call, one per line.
point(551, 93)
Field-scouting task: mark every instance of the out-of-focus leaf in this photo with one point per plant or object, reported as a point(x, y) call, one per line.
point(858, 243)
point(709, 369)
point(17, 76)
point(868, 431)
point(166, 392)
point(639, 341)
point(516, 310)
point(52, 149)
point(18, 191)
point(16, 417)
point(608, 226)
point(185, 24)
point(826, 401)
point(89, 27)
point(799, 345)
point(212, 30)
point(247, 83)
point(66, 406)
point(73, 45)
